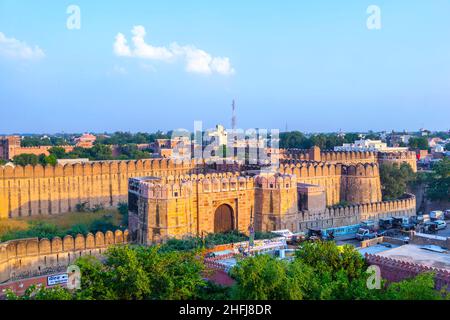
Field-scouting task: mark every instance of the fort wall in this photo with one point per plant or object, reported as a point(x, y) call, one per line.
point(38, 150)
point(185, 205)
point(358, 183)
point(351, 157)
point(36, 190)
point(394, 270)
point(24, 258)
point(350, 215)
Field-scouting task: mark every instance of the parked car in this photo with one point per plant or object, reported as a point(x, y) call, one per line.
point(447, 214)
point(367, 224)
point(408, 226)
point(366, 233)
point(440, 224)
point(436, 215)
point(385, 223)
point(429, 227)
point(314, 234)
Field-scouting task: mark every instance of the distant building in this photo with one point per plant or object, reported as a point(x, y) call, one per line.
point(85, 141)
point(72, 161)
point(432, 142)
point(219, 134)
point(438, 148)
point(369, 145)
point(10, 147)
point(166, 147)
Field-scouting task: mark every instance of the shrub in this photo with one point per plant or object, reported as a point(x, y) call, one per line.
point(82, 207)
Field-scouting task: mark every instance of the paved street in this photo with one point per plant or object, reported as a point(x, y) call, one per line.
point(356, 243)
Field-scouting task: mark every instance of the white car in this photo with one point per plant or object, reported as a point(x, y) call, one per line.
point(440, 224)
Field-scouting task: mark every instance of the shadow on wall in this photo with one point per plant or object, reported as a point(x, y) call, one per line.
point(34, 256)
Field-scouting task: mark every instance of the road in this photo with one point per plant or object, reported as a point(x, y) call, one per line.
point(356, 243)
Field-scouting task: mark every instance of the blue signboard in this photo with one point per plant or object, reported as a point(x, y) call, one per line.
point(57, 279)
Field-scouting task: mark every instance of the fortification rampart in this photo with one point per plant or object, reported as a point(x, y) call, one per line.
point(345, 157)
point(394, 270)
point(38, 150)
point(408, 157)
point(355, 183)
point(354, 214)
point(350, 157)
point(25, 258)
point(34, 190)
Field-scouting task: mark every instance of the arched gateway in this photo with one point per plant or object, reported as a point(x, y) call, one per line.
point(223, 219)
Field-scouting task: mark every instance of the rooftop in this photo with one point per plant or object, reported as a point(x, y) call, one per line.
point(419, 254)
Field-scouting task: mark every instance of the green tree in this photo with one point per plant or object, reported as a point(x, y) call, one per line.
point(420, 143)
point(266, 278)
point(25, 159)
point(58, 152)
point(126, 274)
point(122, 207)
point(421, 287)
point(96, 281)
point(294, 139)
point(395, 179)
point(41, 293)
point(439, 181)
point(340, 271)
point(47, 160)
point(173, 275)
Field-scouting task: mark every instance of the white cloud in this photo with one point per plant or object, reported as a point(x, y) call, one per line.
point(196, 60)
point(13, 48)
point(120, 46)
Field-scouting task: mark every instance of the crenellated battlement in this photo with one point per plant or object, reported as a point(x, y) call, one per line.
point(33, 255)
point(353, 214)
point(330, 156)
point(395, 270)
point(96, 167)
point(34, 190)
point(184, 185)
point(306, 169)
point(349, 157)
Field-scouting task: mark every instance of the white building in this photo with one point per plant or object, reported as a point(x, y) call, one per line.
point(368, 145)
point(219, 134)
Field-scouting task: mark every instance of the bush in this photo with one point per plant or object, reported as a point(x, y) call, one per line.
point(82, 207)
point(37, 229)
point(98, 207)
point(78, 229)
point(103, 225)
point(123, 210)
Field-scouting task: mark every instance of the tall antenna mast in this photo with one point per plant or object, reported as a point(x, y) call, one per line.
point(233, 117)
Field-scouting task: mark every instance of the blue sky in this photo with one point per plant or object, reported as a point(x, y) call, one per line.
point(311, 66)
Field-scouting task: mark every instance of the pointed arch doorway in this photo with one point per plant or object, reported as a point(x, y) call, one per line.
point(223, 219)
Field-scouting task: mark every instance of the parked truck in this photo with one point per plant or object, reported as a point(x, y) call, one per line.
point(436, 215)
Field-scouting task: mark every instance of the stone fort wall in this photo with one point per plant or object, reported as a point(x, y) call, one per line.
point(394, 270)
point(26, 258)
point(353, 214)
point(358, 183)
point(351, 157)
point(36, 190)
